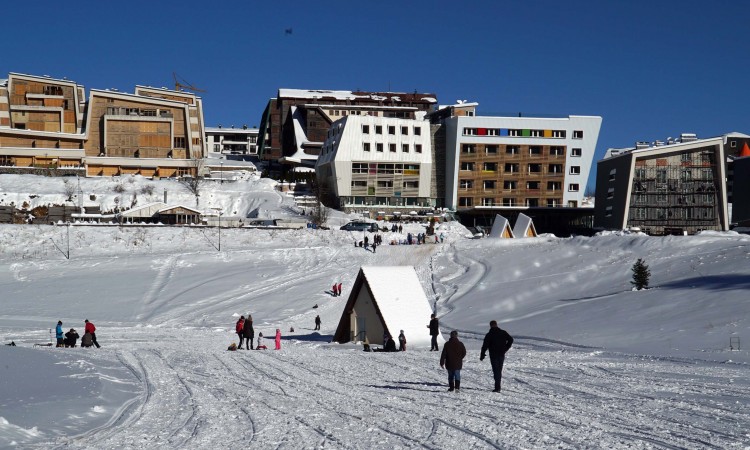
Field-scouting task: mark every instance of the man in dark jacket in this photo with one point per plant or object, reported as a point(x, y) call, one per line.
point(434, 327)
point(71, 337)
point(497, 341)
point(248, 332)
point(452, 359)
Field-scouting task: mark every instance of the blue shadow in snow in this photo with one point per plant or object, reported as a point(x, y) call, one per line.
point(312, 337)
point(711, 282)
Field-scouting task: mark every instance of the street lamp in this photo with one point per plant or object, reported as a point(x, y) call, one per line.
point(221, 169)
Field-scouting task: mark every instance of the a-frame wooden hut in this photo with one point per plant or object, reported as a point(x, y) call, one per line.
point(501, 228)
point(386, 300)
point(524, 227)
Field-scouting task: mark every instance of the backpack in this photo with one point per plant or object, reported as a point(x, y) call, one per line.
point(239, 326)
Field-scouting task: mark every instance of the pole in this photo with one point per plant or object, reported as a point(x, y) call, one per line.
point(220, 230)
point(221, 169)
point(68, 240)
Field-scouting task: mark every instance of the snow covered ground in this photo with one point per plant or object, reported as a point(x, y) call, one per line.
point(594, 365)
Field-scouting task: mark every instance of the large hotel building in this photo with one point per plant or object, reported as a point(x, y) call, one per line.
point(46, 122)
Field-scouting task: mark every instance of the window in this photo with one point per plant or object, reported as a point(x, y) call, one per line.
point(392, 148)
point(533, 185)
point(512, 150)
point(385, 184)
point(417, 131)
point(359, 167)
point(491, 149)
point(391, 130)
point(554, 186)
point(405, 148)
point(556, 151)
point(179, 142)
point(535, 150)
point(510, 185)
point(573, 187)
point(378, 129)
point(468, 148)
point(552, 203)
point(555, 168)
point(488, 201)
point(493, 132)
point(489, 167)
point(578, 134)
point(470, 131)
point(686, 157)
point(379, 146)
point(575, 152)
point(405, 131)
point(611, 194)
point(572, 203)
point(686, 175)
point(532, 202)
point(488, 184)
point(575, 170)
point(359, 183)
point(418, 148)
point(365, 129)
point(558, 133)
point(535, 168)
point(537, 133)
point(466, 184)
point(512, 168)
point(465, 201)
point(217, 147)
point(467, 166)
point(411, 184)
point(613, 172)
point(661, 176)
point(366, 146)
point(509, 201)
point(514, 133)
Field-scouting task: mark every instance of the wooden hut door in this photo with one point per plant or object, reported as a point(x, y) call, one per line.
point(361, 329)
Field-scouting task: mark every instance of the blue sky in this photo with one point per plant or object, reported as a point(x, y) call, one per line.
point(651, 69)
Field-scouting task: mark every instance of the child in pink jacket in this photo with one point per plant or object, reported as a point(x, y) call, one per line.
point(278, 339)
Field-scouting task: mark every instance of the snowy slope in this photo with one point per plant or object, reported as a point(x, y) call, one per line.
point(595, 365)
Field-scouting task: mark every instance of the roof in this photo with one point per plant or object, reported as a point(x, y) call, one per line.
point(523, 225)
point(170, 208)
point(401, 301)
point(499, 225)
point(354, 95)
point(147, 210)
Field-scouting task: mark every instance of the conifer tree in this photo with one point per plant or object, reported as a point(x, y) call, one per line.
point(641, 275)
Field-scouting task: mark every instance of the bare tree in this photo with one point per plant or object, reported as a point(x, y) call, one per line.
point(69, 190)
point(194, 181)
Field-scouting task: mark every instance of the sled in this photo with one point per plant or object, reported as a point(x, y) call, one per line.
point(46, 344)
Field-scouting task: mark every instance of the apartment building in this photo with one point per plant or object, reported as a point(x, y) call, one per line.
point(232, 141)
point(667, 187)
point(295, 124)
point(378, 162)
point(515, 161)
point(46, 122)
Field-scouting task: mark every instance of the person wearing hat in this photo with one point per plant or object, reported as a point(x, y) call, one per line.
point(452, 359)
point(59, 334)
point(70, 338)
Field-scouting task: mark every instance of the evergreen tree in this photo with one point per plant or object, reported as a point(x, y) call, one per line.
point(641, 275)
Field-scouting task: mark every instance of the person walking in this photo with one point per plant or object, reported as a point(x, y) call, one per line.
point(238, 328)
point(278, 339)
point(434, 327)
point(333, 289)
point(248, 332)
point(452, 359)
point(338, 289)
point(91, 329)
point(59, 334)
point(497, 341)
point(317, 322)
point(401, 342)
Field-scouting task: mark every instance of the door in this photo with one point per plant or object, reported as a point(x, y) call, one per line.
point(361, 331)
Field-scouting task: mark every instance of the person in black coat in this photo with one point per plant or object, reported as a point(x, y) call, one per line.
point(434, 327)
point(452, 359)
point(248, 332)
point(71, 337)
point(497, 341)
point(390, 345)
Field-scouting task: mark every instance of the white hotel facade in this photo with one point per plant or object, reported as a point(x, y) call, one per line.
point(382, 162)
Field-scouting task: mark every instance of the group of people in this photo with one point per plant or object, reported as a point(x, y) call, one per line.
point(246, 333)
point(336, 289)
point(70, 338)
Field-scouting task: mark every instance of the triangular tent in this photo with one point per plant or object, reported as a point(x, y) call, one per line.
point(524, 227)
point(745, 150)
point(383, 300)
point(501, 228)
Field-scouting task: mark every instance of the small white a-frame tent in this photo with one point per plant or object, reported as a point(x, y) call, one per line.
point(383, 300)
point(501, 228)
point(524, 227)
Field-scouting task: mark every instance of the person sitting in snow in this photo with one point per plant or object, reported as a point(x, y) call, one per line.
point(70, 338)
point(390, 345)
point(87, 340)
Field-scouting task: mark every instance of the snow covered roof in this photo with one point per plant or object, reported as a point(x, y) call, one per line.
point(171, 208)
point(501, 228)
point(524, 227)
point(147, 210)
point(401, 300)
point(315, 94)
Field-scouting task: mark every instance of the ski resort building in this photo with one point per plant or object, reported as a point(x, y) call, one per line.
point(671, 187)
point(232, 141)
point(378, 162)
point(47, 123)
point(386, 300)
point(295, 123)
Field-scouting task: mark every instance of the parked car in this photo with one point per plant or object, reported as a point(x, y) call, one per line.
point(361, 226)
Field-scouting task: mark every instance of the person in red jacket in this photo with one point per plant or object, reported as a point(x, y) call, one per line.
point(91, 329)
point(239, 328)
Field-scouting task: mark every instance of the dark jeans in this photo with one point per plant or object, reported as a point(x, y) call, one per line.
point(317, 326)
point(60, 342)
point(434, 343)
point(454, 375)
point(93, 339)
point(242, 339)
point(497, 362)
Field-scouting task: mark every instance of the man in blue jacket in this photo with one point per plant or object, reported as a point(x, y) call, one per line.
point(498, 342)
point(59, 334)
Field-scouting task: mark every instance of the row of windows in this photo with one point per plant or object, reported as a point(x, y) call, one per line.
point(511, 185)
point(509, 201)
point(385, 184)
point(417, 131)
point(510, 132)
point(534, 150)
point(406, 148)
point(385, 168)
point(393, 114)
point(516, 168)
